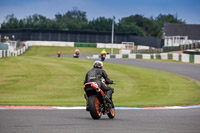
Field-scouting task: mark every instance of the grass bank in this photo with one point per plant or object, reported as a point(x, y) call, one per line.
point(35, 79)
point(45, 51)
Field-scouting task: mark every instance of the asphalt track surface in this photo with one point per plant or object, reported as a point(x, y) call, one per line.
point(79, 121)
point(191, 71)
point(134, 121)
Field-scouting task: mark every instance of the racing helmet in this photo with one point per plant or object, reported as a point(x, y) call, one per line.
point(98, 64)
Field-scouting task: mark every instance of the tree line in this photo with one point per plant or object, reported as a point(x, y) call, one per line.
point(76, 20)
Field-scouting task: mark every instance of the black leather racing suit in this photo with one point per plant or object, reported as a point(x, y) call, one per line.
point(95, 75)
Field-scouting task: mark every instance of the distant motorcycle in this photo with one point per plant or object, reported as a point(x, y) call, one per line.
point(98, 104)
point(59, 54)
point(103, 57)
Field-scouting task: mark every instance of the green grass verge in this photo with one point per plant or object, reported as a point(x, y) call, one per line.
point(31, 80)
point(52, 51)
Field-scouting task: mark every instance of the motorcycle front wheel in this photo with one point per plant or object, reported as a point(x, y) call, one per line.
point(94, 107)
point(111, 113)
point(102, 58)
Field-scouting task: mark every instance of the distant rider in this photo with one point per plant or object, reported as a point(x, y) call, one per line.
point(95, 75)
point(59, 54)
point(77, 52)
point(103, 52)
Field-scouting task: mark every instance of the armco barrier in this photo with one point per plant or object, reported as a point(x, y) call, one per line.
point(152, 56)
point(7, 53)
point(4, 53)
point(124, 55)
point(164, 56)
point(109, 45)
point(118, 56)
point(132, 56)
point(157, 56)
point(169, 56)
point(49, 43)
point(112, 56)
point(185, 58)
point(108, 57)
point(1, 54)
point(138, 56)
point(197, 59)
point(146, 56)
point(177, 57)
point(191, 58)
point(74, 44)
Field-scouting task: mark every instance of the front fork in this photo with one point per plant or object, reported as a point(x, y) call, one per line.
point(105, 106)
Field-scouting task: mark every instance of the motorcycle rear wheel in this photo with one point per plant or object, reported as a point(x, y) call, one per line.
point(94, 107)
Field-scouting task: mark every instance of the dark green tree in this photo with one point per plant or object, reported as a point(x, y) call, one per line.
point(100, 24)
point(132, 28)
point(146, 25)
point(72, 20)
point(77, 20)
point(11, 22)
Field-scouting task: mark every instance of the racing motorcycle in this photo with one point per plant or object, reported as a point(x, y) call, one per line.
point(76, 55)
point(98, 102)
point(103, 57)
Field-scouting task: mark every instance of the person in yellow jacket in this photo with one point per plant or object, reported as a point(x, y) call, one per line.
point(103, 55)
point(103, 52)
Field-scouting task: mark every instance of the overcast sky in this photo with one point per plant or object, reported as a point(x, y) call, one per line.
point(188, 10)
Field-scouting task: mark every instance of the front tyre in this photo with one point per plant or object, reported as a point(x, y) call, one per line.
point(111, 113)
point(102, 58)
point(94, 107)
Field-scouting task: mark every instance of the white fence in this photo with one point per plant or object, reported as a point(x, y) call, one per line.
point(187, 58)
point(197, 59)
point(109, 45)
point(7, 53)
point(146, 56)
point(49, 43)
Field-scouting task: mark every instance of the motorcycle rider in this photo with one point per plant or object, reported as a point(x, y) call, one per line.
point(59, 54)
point(103, 52)
point(77, 51)
point(95, 75)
